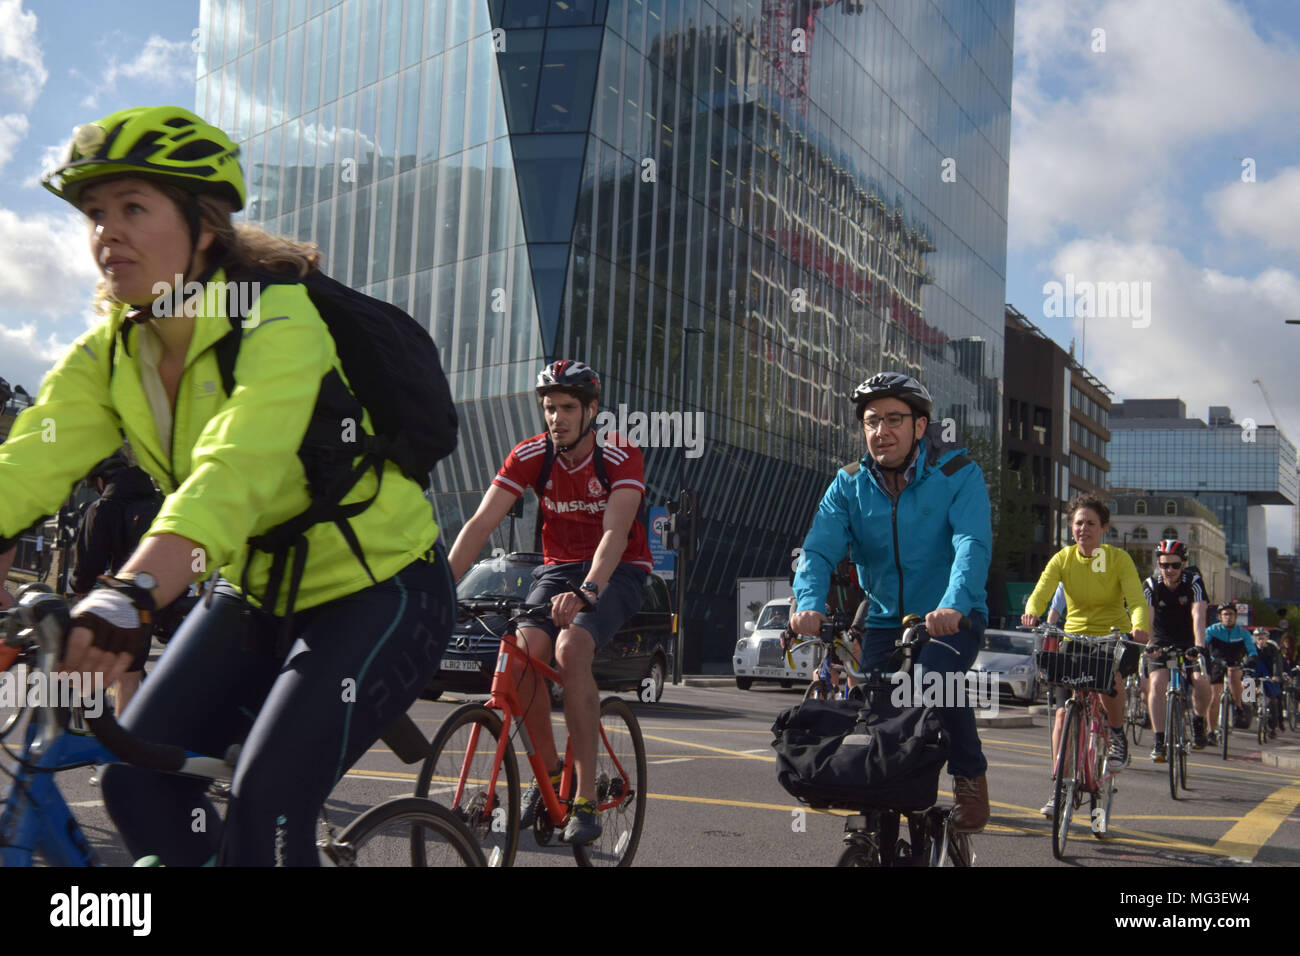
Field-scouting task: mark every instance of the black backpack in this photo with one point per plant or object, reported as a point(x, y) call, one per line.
point(597, 462)
point(393, 367)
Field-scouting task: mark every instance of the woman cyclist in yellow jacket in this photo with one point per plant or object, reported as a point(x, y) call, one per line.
point(1103, 591)
point(158, 187)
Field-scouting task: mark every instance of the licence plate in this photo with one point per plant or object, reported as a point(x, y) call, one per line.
point(461, 666)
point(770, 672)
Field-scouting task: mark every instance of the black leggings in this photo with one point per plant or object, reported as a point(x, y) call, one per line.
point(356, 664)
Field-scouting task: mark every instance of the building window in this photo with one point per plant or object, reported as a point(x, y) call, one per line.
point(1171, 507)
point(1169, 534)
point(1139, 533)
point(1140, 507)
point(1113, 533)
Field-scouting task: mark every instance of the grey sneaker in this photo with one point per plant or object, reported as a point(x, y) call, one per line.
point(584, 824)
point(1049, 808)
point(532, 800)
point(1118, 752)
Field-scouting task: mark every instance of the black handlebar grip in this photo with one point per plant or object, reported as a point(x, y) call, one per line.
point(129, 748)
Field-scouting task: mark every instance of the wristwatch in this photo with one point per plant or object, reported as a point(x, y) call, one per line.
point(590, 587)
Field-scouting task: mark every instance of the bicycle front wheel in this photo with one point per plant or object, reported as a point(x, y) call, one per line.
point(459, 775)
point(407, 831)
point(1225, 720)
point(1261, 715)
point(1291, 720)
point(860, 853)
point(620, 787)
point(1173, 739)
point(1068, 762)
point(1136, 711)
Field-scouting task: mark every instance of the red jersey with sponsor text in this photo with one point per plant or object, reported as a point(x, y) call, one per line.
point(573, 505)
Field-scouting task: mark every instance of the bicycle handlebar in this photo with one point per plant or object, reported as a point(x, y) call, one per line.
point(516, 609)
point(914, 637)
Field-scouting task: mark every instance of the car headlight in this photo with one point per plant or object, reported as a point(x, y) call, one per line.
point(740, 644)
point(1020, 669)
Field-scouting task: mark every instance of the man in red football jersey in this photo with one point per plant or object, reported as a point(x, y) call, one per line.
point(590, 493)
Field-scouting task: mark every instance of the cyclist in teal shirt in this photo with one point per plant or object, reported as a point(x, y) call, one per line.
point(1230, 644)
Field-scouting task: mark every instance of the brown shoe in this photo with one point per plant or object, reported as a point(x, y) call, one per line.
point(972, 810)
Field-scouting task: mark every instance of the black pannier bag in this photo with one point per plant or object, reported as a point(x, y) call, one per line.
point(831, 754)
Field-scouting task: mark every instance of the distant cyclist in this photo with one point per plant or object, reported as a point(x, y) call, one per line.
point(1104, 592)
point(592, 540)
point(1230, 645)
point(917, 518)
point(1176, 600)
point(1267, 672)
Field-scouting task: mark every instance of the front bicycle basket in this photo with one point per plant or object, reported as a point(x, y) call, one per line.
point(1085, 663)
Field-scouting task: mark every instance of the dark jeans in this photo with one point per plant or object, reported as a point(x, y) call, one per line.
point(965, 755)
point(355, 665)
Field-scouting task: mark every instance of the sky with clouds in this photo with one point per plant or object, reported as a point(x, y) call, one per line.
point(1154, 143)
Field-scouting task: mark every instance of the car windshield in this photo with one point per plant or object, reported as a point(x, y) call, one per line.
point(774, 617)
point(1009, 643)
point(496, 578)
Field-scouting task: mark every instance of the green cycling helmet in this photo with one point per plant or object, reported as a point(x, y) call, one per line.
point(157, 141)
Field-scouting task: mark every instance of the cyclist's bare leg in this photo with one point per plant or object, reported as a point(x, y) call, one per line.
point(127, 685)
point(1234, 680)
point(535, 697)
point(574, 652)
point(1201, 695)
point(1057, 729)
point(1216, 692)
point(1156, 700)
point(1114, 705)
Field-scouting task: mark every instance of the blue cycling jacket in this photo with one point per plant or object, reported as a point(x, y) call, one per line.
point(1237, 635)
point(929, 549)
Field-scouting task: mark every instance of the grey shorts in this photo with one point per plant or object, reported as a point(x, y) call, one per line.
point(621, 597)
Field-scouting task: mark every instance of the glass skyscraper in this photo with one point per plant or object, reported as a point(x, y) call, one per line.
point(765, 200)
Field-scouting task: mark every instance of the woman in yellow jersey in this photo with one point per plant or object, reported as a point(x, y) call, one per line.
point(305, 693)
point(1104, 592)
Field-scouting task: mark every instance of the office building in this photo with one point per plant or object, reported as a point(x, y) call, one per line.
point(736, 208)
point(1232, 468)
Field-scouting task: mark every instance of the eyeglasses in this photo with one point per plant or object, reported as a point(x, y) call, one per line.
point(893, 420)
point(1173, 566)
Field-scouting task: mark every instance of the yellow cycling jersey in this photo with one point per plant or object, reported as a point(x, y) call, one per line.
point(228, 464)
point(1096, 588)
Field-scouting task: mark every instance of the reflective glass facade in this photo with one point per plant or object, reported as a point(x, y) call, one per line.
point(1226, 468)
point(767, 199)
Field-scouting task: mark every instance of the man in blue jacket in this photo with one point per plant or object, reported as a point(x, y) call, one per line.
point(918, 522)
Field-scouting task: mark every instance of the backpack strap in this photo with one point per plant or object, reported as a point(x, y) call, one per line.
point(539, 486)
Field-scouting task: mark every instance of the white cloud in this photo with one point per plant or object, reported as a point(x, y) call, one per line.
point(1098, 137)
point(25, 357)
point(1265, 210)
point(22, 63)
point(1210, 334)
point(13, 129)
point(45, 264)
point(164, 64)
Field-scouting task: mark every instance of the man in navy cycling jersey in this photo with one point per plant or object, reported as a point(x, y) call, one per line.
point(917, 520)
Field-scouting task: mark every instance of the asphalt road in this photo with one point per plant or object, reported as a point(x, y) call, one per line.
point(714, 799)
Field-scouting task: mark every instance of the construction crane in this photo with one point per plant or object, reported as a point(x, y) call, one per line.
point(1267, 401)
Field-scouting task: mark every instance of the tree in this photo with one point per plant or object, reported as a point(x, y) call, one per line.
point(1013, 515)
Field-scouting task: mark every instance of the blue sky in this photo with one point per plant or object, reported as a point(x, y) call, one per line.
point(1126, 166)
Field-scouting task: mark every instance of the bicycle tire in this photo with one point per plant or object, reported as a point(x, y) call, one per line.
point(1291, 719)
point(1225, 720)
point(1173, 745)
point(409, 831)
point(620, 740)
point(817, 690)
point(496, 833)
point(1107, 800)
point(1134, 711)
point(855, 854)
point(1067, 764)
